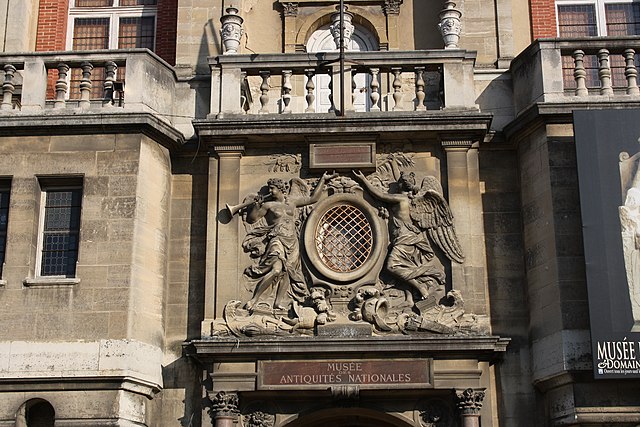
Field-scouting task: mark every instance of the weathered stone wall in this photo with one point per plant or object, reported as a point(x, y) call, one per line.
point(108, 322)
point(507, 284)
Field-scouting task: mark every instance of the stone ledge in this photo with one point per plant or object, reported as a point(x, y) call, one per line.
point(50, 282)
point(481, 347)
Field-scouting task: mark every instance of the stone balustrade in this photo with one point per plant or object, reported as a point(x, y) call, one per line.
point(391, 80)
point(87, 81)
point(597, 69)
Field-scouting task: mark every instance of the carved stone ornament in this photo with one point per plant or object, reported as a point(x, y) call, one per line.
point(449, 25)
point(469, 401)
point(435, 413)
point(224, 405)
point(286, 163)
point(290, 9)
point(368, 260)
point(258, 419)
point(392, 7)
point(347, 32)
point(231, 30)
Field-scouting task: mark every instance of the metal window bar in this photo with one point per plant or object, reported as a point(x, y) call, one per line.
point(61, 232)
point(136, 33)
point(623, 19)
point(344, 238)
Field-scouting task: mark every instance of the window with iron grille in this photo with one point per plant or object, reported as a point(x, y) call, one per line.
point(4, 217)
point(344, 238)
point(597, 18)
point(60, 226)
point(108, 24)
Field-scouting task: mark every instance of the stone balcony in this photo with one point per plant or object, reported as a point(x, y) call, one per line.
point(564, 74)
point(119, 89)
point(383, 91)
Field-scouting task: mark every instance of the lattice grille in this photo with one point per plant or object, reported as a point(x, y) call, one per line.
point(344, 238)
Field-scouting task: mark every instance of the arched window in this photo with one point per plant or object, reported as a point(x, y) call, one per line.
point(36, 413)
point(322, 40)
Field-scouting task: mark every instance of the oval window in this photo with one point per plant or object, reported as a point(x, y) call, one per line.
point(344, 238)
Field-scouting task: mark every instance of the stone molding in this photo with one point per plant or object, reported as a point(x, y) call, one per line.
point(290, 9)
point(138, 362)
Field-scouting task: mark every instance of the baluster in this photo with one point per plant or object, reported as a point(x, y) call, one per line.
point(630, 72)
point(420, 95)
point(110, 69)
point(286, 91)
point(579, 73)
point(375, 94)
point(397, 95)
point(85, 85)
point(604, 72)
point(264, 92)
point(310, 97)
point(8, 87)
point(61, 86)
point(332, 108)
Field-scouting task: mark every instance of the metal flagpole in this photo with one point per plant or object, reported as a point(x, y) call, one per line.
point(341, 110)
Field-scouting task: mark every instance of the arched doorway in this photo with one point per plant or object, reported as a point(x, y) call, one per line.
point(348, 417)
point(322, 40)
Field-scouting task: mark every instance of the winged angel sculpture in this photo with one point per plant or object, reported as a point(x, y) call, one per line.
point(419, 216)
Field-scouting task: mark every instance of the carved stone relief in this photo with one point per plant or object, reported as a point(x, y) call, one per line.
point(355, 250)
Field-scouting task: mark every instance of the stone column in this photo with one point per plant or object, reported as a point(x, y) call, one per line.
point(469, 403)
point(391, 10)
point(225, 239)
point(458, 186)
point(290, 15)
point(224, 409)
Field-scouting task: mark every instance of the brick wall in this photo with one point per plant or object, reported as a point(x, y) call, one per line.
point(52, 25)
point(166, 28)
point(543, 19)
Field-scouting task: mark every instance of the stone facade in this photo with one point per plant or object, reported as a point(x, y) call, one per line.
point(275, 237)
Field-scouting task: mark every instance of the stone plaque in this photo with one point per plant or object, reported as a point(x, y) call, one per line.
point(322, 374)
point(342, 155)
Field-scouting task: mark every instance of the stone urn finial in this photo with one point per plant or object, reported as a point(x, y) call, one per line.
point(231, 30)
point(348, 27)
point(450, 25)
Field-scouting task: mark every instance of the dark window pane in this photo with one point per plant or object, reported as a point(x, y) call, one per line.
point(91, 33)
point(94, 3)
point(61, 228)
point(623, 19)
point(4, 215)
point(577, 21)
point(138, 2)
point(136, 33)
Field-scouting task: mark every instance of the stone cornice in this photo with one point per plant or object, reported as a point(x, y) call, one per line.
point(481, 347)
point(50, 122)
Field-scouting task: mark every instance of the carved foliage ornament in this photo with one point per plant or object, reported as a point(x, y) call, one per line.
point(224, 405)
point(469, 401)
point(392, 7)
point(259, 419)
point(290, 9)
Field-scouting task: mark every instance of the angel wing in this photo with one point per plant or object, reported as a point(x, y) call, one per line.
point(298, 188)
point(430, 211)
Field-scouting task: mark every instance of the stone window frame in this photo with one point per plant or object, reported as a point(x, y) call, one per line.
point(599, 8)
point(48, 184)
point(114, 14)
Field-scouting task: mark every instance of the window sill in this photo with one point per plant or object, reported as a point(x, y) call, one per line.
point(50, 282)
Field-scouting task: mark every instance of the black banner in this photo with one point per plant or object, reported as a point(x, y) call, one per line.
point(608, 156)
